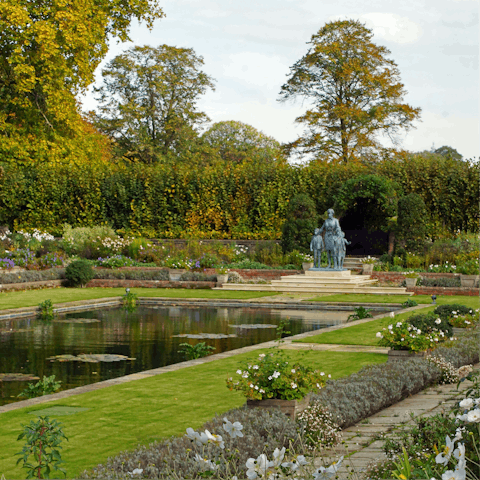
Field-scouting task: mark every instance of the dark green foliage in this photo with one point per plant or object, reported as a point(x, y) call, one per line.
point(412, 221)
point(372, 198)
point(439, 282)
point(427, 323)
point(43, 443)
point(248, 264)
point(409, 303)
point(445, 311)
point(360, 313)
point(263, 432)
point(32, 276)
point(300, 223)
point(79, 273)
point(46, 386)
point(129, 301)
point(199, 350)
point(45, 310)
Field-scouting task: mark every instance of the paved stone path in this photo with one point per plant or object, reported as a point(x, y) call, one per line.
point(362, 445)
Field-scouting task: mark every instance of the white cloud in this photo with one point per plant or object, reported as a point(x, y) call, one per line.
point(388, 26)
point(441, 129)
point(255, 69)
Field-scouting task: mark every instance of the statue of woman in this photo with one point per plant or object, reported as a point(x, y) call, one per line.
point(331, 229)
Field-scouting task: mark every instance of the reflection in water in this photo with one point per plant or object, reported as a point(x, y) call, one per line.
point(150, 335)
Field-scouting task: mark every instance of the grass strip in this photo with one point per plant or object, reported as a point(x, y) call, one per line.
point(370, 298)
point(31, 298)
point(365, 333)
point(123, 416)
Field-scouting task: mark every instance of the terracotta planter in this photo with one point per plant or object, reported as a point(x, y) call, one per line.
point(291, 408)
point(222, 277)
point(307, 265)
point(174, 274)
point(468, 280)
point(400, 355)
point(367, 268)
point(410, 282)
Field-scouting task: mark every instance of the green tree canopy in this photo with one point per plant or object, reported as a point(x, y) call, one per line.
point(355, 92)
point(49, 52)
point(237, 141)
point(447, 151)
point(148, 100)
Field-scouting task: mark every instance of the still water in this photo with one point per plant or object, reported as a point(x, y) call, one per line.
point(149, 335)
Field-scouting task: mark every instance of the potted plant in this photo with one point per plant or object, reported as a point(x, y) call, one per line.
point(367, 264)
point(469, 273)
point(307, 261)
point(272, 381)
point(411, 278)
point(222, 274)
point(461, 323)
point(406, 340)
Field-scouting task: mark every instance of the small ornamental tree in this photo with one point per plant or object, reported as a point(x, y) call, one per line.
point(299, 225)
point(412, 221)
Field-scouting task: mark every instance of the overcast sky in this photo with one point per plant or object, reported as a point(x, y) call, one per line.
point(249, 46)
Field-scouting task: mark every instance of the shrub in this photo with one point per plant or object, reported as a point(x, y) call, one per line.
point(76, 239)
point(32, 276)
point(79, 273)
point(446, 311)
point(439, 282)
point(412, 221)
point(46, 386)
point(428, 323)
point(140, 274)
point(300, 223)
point(318, 428)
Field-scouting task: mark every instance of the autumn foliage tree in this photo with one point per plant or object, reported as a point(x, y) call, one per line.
point(355, 94)
point(49, 52)
point(238, 141)
point(147, 102)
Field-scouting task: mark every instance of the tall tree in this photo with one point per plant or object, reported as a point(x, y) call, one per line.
point(237, 142)
point(355, 92)
point(49, 51)
point(147, 102)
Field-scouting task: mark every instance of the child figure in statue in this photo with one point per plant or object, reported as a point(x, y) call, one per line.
point(341, 242)
point(316, 246)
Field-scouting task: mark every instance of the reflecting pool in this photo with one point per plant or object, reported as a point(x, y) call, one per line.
point(149, 337)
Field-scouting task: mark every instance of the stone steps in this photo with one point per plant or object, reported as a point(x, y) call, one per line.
point(321, 281)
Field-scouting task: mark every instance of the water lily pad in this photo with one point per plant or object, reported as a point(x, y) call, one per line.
point(254, 325)
point(90, 358)
point(59, 410)
point(205, 335)
point(77, 320)
point(17, 377)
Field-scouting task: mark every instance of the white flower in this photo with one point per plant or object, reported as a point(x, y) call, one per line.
point(438, 321)
point(275, 374)
point(137, 471)
point(323, 473)
point(466, 403)
point(473, 416)
point(261, 355)
point(322, 373)
point(216, 439)
point(233, 429)
point(255, 367)
point(392, 314)
point(399, 324)
point(453, 475)
point(278, 457)
point(379, 335)
point(270, 377)
point(459, 454)
point(419, 331)
point(444, 456)
point(390, 327)
point(239, 372)
point(205, 464)
point(260, 465)
point(293, 385)
point(245, 375)
point(293, 370)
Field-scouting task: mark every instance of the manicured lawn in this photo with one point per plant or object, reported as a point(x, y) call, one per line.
point(139, 412)
point(365, 298)
point(31, 298)
point(365, 333)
